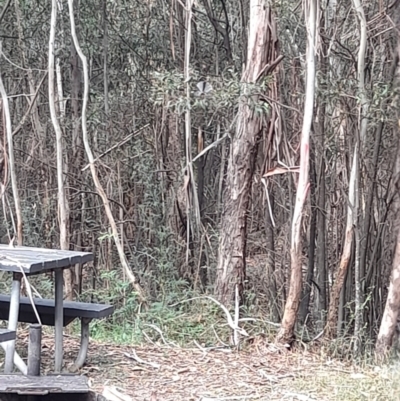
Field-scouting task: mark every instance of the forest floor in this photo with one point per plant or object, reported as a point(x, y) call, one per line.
point(261, 372)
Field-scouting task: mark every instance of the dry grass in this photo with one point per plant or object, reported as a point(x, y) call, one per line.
point(332, 382)
point(261, 372)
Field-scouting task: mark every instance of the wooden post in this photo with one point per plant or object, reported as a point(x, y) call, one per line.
point(59, 320)
point(34, 349)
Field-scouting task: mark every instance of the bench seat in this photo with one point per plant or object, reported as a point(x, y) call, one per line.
point(7, 335)
point(86, 312)
point(43, 385)
point(45, 308)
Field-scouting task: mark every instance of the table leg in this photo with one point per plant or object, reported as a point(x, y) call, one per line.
point(12, 321)
point(83, 350)
point(59, 320)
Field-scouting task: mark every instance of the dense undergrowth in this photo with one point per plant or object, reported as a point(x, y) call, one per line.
point(194, 320)
point(183, 317)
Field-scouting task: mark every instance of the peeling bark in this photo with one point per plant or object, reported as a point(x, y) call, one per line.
point(262, 50)
point(392, 308)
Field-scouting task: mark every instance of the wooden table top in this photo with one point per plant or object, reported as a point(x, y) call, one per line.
point(39, 260)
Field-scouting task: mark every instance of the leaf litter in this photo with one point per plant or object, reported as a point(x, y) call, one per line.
point(259, 372)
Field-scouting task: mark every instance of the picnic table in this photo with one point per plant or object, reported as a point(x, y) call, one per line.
point(22, 260)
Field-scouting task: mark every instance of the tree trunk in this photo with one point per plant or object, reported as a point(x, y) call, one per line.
point(392, 308)
point(124, 262)
point(321, 273)
point(352, 210)
point(330, 328)
point(359, 267)
point(12, 164)
point(63, 209)
point(270, 266)
point(286, 332)
point(306, 296)
point(231, 268)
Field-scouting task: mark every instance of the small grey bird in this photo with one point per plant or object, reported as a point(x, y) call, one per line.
point(204, 88)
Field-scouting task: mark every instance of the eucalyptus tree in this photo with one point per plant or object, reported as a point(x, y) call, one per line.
point(391, 312)
point(352, 223)
point(262, 58)
point(11, 158)
point(63, 207)
point(286, 332)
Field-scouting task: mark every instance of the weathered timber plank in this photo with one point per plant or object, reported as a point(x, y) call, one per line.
point(45, 308)
point(90, 396)
point(7, 335)
point(38, 260)
point(42, 385)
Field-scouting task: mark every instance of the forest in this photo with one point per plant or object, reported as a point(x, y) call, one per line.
point(230, 163)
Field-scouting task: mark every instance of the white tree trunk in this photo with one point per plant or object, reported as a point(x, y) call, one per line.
point(191, 193)
point(63, 212)
point(286, 332)
point(11, 161)
point(99, 188)
point(352, 210)
point(392, 308)
point(359, 275)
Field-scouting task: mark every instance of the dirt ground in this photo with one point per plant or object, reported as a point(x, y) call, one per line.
point(261, 372)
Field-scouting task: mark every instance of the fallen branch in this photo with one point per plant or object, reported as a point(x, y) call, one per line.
point(154, 327)
point(223, 348)
point(135, 357)
point(112, 394)
point(229, 319)
point(233, 397)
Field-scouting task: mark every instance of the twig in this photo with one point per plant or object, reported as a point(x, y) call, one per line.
point(236, 337)
point(318, 336)
point(218, 338)
point(17, 66)
point(202, 349)
point(224, 348)
point(137, 359)
point(212, 145)
point(148, 338)
point(229, 319)
point(271, 215)
point(111, 393)
point(29, 290)
point(300, 397)
point(268, 68)
point(252, 319)
point(4, 10)
point(234, 397)
point(22, 122)
point(153, 326)
point(126, 139)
